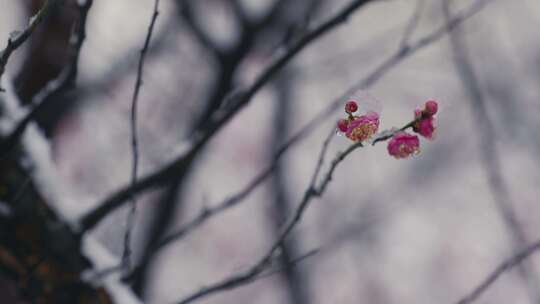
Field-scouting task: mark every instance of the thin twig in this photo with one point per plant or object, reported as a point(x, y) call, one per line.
point(501, 269)
point(126, 255)
point(237, 102)
point(389, 134)
point(17, 39)
point(291, 263)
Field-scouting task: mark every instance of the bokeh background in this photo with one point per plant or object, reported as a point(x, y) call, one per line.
point(422, 230)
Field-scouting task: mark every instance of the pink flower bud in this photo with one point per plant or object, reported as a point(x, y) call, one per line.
point(425, 124)
point(403, 145)
point(363, 127)
point(342, 125)
point(431, 107)
point(351, 106)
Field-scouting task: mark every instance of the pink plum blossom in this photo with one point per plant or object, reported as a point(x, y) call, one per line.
point(403, 145)
point(362, 127)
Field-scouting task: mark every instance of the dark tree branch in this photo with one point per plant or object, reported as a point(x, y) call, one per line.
point(489, 155)
point(66, 80)
point(291, 276)
point(126, 255)
point(239, 12)
point(505, 266)
point(237, 102)
point(229, 60)
point(164, 215)
point(245, 96)
point(293, 262)
point(413, 23)
point(271, 14)
point(78, 38)
point(185, 9)
point(17, 39)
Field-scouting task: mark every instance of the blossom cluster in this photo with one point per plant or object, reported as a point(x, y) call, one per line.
point(402, 144)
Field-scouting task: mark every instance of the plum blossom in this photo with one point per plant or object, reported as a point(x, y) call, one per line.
point(361, 128)
point(403, 145)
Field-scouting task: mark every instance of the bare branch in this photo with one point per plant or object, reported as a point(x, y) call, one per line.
point(165, 213)
point(292, 277)
point(413, 23)
point(126, 255)
point(271, 14)
point(500, 270)
point(239, 11)
point(291, 263)
point(18, 38)
point(254, 275)
point(230, 59)
point(77, 41)
point(237, 102)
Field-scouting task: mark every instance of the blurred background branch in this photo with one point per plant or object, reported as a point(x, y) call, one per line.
point(489, 153)
point(514, 261)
